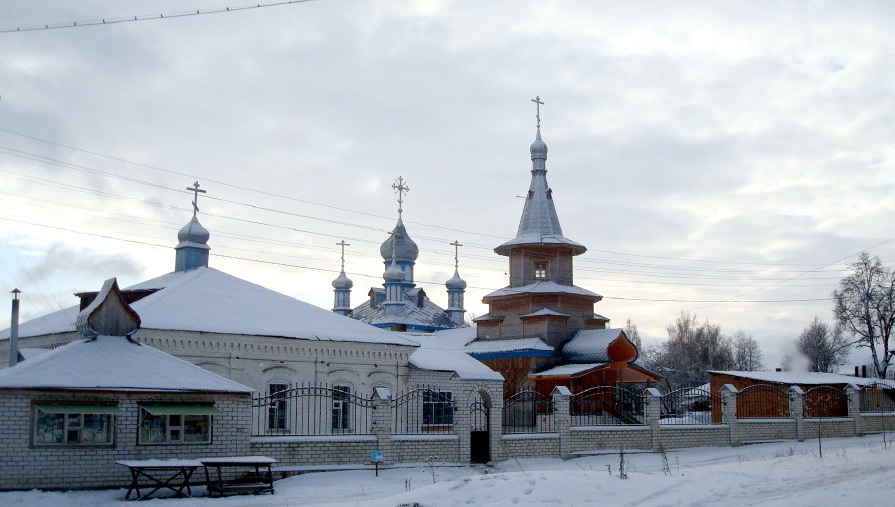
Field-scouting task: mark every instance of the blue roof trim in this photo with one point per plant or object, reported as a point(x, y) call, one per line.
point(512, 354)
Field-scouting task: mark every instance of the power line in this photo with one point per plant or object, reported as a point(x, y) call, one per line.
point(131, 19)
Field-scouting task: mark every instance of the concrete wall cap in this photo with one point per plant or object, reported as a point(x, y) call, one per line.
point(654, 392)
point(562, 391)
point(382, 393)
point(796, 390)
point(729, 388)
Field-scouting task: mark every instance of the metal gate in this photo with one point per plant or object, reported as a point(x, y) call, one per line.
point(479, 436)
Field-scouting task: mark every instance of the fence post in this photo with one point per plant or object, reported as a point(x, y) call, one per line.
point(853, 394)
point(561, 396)
point(796, 410)
point(729, 412)
point(382, 423)
point(652, 415)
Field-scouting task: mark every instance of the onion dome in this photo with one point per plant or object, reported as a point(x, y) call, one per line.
point(538, 147)
point(342, 282)
point(456, 283)
point(393, 273)
point(405, 248)
point(193, 232)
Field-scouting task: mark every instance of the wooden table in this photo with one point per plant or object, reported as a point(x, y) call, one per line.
point(262, 481)
point(173, 474)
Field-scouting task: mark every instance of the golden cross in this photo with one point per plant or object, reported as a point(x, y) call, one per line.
point(196, 192)
point(400, 189)
point(538, 104)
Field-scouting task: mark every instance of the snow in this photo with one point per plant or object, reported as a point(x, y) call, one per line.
point(545, 312)
point(493, 346)
point(239, 459)
point(853, 471)
point(211, 301)
point(567, 369)
point(457, 361)
point(591, 345)
point(113, 363)
point(806, 378)
point(543, 287)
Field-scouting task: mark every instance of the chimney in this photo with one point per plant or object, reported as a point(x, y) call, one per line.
point(857, 371)
point(14, 329)
point(864, 371)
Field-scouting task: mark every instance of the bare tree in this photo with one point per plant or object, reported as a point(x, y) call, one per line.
point(691, 349)
point(632, 333)
point(865, 307)
point(746, 352)
point(825, 347)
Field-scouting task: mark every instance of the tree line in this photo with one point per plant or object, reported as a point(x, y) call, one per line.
point(864, 317)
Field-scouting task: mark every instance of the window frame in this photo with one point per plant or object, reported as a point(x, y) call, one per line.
point(176, 424)
point(434, 416)
point(343, 402)
point(278, 413)
point(73, 420)
point(541, 270)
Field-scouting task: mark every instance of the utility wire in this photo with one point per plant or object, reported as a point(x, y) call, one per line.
point(131, 19)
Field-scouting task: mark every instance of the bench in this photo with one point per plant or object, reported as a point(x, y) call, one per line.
point(261, 480)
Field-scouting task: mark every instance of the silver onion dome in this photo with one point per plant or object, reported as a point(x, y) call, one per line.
point(405, 248)
point(342, 282)
point(193, 232)
point(456, 282)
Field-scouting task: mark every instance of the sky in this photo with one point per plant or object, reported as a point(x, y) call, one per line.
point(727, 159)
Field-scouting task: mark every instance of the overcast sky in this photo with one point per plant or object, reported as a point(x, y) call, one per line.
point(702, 151)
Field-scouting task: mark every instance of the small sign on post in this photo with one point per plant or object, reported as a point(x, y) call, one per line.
point(377, 457)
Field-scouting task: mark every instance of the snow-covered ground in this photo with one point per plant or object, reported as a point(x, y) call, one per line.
point(853, 471)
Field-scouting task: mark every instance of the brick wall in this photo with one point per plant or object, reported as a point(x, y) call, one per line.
point(25, 466)
point(530, 445)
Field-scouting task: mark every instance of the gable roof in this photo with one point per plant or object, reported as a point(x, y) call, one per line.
point(543, 287)
point(805, 378)
point(592, 345)
point(208, 300)
point(428, 317)
point(113, 363)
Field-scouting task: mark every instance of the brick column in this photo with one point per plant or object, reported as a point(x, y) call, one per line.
point(496, 422)
point(561, 396)
point(382, 423)
point(796, 410)
point(729, 412)
point(853, 393)
point(652, 412)
point(462, 423)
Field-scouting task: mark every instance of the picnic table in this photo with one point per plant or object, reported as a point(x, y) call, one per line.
point(172, 474)
point(261, 480)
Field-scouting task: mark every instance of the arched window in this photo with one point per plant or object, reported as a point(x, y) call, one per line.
point(341, 415)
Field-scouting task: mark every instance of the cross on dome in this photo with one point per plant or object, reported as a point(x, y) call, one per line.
point(538, 104)
point(400, 189)
point(343, 245)
point(196, 192)
point(456, 244)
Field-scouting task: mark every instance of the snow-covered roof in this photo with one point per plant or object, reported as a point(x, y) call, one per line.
point(208, 300)
point(545, 312)
point(457, 361)
point(444, 339)
point(31, 352)
point(565, 370)
point(591, 345)
point(429, 316)
point(805, 378)
point(494, 346)
point(113, 363)
point(543, 287)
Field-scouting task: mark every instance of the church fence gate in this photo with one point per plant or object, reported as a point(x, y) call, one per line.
point(479, 432)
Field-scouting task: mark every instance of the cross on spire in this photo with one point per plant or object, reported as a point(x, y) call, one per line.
point(456, 244)
point(343, 245)
point(196, 192)
point(538, 104)
point(400, 189)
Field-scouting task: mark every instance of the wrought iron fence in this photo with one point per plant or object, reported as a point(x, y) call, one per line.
point(529, 412)
point(606, 406)
point(423, 411)
point(762, 401)
point(825, 401)
point(690, 406)
point(311, 409)
point(877, 398)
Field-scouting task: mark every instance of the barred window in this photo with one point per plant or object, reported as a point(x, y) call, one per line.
point(341, 409)
point(438, 409)
point(278, 408)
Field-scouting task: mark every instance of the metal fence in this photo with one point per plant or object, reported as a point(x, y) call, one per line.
point(877, 398)
point(690, 406)
point(825, 401)
point(529, 412)
point(423, 411)
point(762, 401)
point(606, 406)
point(311, 409)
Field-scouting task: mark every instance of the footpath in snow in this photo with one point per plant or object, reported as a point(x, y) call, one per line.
point(852, 471)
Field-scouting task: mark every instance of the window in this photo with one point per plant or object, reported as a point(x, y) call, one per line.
point(540, 270)
point(74, 424)
point(341, 409)
point(176, 424)
point(277, 408)
point(438, 409)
